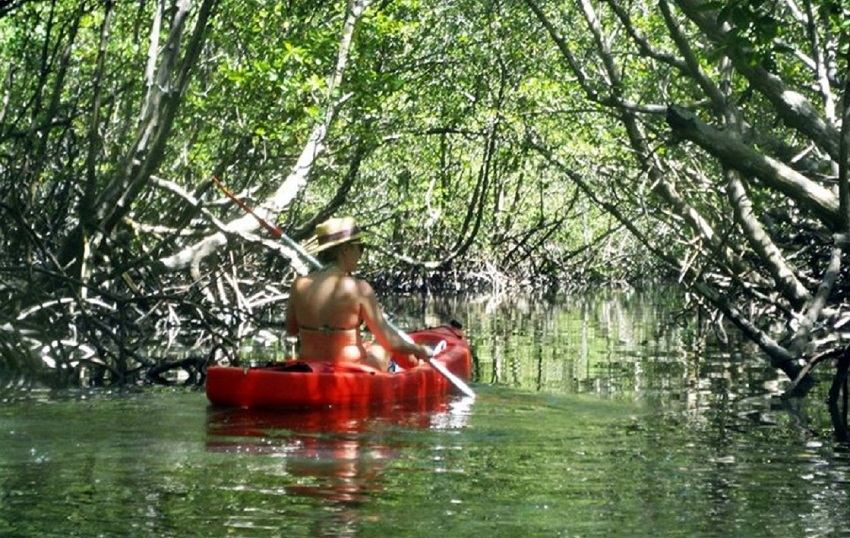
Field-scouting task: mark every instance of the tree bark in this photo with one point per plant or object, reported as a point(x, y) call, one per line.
point(792, 106)
point(339, 197)
point(760, 241)
point(153, 52)
point(733, 153)
point(780, 357)
point(839, 387)
point(39, 153)
point(94, 141)
point(663, 185)
point(844, 154)
point(146, 153)
point(100, 215)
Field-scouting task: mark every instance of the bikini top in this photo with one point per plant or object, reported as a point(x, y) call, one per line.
point(328, 329)
point(317, 339)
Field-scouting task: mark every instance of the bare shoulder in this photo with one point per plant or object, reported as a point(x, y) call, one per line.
point(364, 289)
point(300, 281)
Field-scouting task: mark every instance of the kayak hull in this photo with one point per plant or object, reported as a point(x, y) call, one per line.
point(321, 383)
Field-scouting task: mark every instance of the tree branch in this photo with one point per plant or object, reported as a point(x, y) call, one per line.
point(735, 154)
point(297, 178)
point(792, 106)
point(760, 241)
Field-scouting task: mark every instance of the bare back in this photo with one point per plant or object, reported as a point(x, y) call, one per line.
point(325, 300)
point(326, 310)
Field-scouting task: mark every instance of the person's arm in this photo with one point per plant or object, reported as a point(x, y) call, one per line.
point(291, 320)
point(377, 324)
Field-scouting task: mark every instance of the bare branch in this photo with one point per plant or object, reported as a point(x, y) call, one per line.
point(735, 154)
point(761, 243)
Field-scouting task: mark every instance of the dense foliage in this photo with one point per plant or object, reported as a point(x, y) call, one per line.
point(544, 144)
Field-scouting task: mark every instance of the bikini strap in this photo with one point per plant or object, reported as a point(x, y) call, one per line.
point(327, 328)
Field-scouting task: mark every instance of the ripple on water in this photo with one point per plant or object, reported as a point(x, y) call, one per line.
point(587, 423)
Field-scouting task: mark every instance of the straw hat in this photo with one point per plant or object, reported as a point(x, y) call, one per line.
point(332, 232)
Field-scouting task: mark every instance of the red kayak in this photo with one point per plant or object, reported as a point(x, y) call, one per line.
point(322, 383)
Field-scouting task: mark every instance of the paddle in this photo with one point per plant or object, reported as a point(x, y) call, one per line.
point(277, 233)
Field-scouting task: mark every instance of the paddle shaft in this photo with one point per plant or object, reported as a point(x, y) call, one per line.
point(278, 234)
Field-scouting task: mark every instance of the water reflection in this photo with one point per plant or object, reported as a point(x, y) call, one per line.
point(633, 344)
point(343, 449)
point(598, 416)
point(629, 343)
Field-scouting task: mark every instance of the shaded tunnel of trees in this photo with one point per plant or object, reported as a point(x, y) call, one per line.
point(490, 145)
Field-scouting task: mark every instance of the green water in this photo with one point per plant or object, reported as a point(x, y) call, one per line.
point(590, 421)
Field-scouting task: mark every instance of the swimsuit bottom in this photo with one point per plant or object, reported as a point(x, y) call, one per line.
point(335, 345)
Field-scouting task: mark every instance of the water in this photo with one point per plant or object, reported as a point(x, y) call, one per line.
point(589, 421)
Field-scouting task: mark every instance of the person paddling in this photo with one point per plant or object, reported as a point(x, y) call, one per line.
point(327, 308)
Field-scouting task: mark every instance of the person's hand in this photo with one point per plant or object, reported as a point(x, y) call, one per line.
point(423, 353)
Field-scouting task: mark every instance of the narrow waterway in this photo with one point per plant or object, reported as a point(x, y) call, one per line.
point(605, 415)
